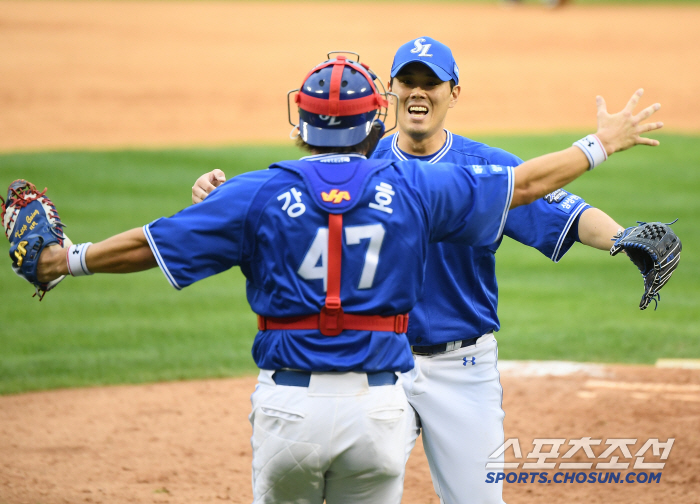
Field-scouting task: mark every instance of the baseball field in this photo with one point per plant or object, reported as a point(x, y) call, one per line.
point(121, 389)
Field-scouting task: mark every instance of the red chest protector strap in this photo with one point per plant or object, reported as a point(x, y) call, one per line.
point(332, 320)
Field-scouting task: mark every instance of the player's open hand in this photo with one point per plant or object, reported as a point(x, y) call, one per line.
point(206, 184)
point(622, 130)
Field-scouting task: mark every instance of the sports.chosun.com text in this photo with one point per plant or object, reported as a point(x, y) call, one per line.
point(574, 477)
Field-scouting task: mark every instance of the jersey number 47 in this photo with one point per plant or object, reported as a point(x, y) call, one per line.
point(315, 263)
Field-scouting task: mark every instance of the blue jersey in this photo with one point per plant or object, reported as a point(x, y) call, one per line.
point(460, 298)
point(274, 225)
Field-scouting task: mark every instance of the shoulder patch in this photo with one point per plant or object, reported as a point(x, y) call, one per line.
point(488, 169)
point(556, 196)
point(564, 200)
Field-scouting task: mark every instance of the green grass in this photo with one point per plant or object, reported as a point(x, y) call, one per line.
point(111, 329)
point(123, 328)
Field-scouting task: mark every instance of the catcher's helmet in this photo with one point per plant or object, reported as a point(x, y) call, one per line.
point(338, 103)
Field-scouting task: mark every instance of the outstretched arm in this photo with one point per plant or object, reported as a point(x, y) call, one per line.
point(127, 252)
point(616, 132)
point(596, 228)
point(206, 184)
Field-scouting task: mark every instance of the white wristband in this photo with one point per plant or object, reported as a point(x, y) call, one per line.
point(75, 257)
point(593, 148)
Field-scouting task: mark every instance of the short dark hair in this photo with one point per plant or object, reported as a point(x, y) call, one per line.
point(363, 147)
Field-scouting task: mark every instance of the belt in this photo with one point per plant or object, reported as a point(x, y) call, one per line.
point(303, 378)
point(443, 347)
point(341, 321)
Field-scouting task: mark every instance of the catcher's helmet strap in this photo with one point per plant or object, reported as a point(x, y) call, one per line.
point(336, 81)
point(340, 107)
point(334, 106)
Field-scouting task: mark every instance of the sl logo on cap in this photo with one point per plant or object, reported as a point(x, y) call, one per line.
point(335, 196)
point(421, 48)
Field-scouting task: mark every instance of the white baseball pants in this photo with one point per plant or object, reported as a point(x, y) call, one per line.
point(457, 396)
point(337, 439)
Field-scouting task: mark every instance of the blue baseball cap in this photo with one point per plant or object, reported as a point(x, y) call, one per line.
point(436, 56)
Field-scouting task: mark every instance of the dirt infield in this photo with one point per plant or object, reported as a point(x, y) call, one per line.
point(115, 74)
point(189, 442)
point(94, 74)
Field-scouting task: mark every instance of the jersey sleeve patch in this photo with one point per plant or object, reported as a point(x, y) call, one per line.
point(486, 170)
point(564, 200)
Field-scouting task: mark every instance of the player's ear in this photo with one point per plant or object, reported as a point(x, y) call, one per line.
point(454, 97)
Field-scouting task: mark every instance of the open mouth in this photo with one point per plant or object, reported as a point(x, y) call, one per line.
point(420, 110)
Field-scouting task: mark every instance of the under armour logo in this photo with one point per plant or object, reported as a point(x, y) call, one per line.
point(590, 144)
point(76, 250)
point(472, 360)
point(421, 48)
